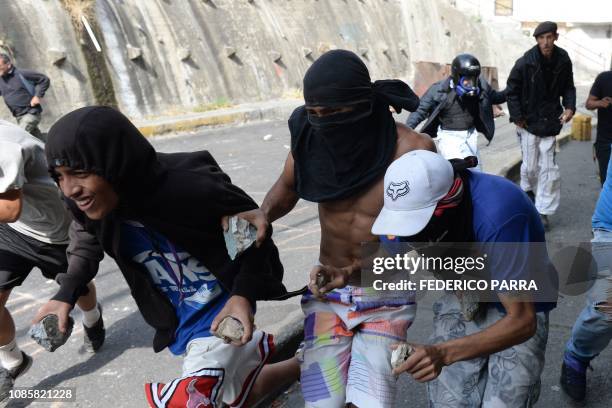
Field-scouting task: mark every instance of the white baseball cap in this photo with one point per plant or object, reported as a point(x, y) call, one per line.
point(414, 184)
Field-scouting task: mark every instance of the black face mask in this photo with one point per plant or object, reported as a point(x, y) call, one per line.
point(437, 230)
point(339, 155)
point(360, 110)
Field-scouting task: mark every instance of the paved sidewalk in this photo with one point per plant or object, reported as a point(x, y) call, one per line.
point(279, 109)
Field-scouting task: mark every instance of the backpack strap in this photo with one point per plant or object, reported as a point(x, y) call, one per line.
point(27, 84)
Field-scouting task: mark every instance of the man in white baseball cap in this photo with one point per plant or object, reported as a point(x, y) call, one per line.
point(428, 199)
point(413, 184)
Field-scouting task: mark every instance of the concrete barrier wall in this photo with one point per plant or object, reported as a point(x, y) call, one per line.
point(178, 55)
point(34, 32)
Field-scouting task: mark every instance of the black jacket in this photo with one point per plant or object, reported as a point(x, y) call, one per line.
point(528, 97)
point(16, 95)
point(439, 94)
point(179, 195)
point(256, 274)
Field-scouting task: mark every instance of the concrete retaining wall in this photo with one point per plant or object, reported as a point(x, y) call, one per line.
point(177, 55)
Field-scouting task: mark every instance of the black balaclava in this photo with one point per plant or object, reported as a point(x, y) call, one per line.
point(337, 156)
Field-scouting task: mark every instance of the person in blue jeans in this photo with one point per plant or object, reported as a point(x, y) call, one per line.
point(592, 331)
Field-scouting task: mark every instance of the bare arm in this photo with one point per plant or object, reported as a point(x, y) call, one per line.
point(282, 197)
point(10, 205)
point(517, 326)
point(594, 102)
point(277, 203)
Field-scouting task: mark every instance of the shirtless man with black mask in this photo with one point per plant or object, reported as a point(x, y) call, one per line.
point(342, 141)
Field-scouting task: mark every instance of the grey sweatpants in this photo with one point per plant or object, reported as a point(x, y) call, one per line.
point(509, 378)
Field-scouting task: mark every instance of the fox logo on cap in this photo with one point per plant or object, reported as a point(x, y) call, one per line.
point(395, 190)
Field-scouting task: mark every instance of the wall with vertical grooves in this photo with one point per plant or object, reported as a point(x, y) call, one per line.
point(175, 55)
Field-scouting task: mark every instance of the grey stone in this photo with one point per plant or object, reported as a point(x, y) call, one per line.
point(401, 354)
point(230, 330)
point(469, 301)
point(47, 333)
point(239, 236)
point(322, 280)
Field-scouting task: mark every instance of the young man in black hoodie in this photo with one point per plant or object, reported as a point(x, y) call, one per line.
point(537, 82)
point(159, 216)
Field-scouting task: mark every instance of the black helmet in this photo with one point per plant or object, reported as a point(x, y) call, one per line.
point(465, 66)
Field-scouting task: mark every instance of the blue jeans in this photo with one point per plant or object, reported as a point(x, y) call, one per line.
point(592, 331)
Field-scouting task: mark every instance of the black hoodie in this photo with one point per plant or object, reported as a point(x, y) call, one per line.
point(180, 195)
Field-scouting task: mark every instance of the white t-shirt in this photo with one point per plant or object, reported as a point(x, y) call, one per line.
point(23, 166)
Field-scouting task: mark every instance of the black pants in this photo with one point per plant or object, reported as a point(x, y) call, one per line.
point(602, 152)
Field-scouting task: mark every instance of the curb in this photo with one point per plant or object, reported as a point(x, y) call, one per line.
point(288, 333)
point(277, 110)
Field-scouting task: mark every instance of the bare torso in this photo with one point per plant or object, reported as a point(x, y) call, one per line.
point(345, 224)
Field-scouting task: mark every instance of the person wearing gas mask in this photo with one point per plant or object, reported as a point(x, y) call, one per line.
point(495, 356)
point(457, 108)
point(342, 140)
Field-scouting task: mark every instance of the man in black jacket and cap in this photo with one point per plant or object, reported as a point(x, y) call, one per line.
point(159, 217)
point(537, 82)
point(457, 108)
point(342, 141)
